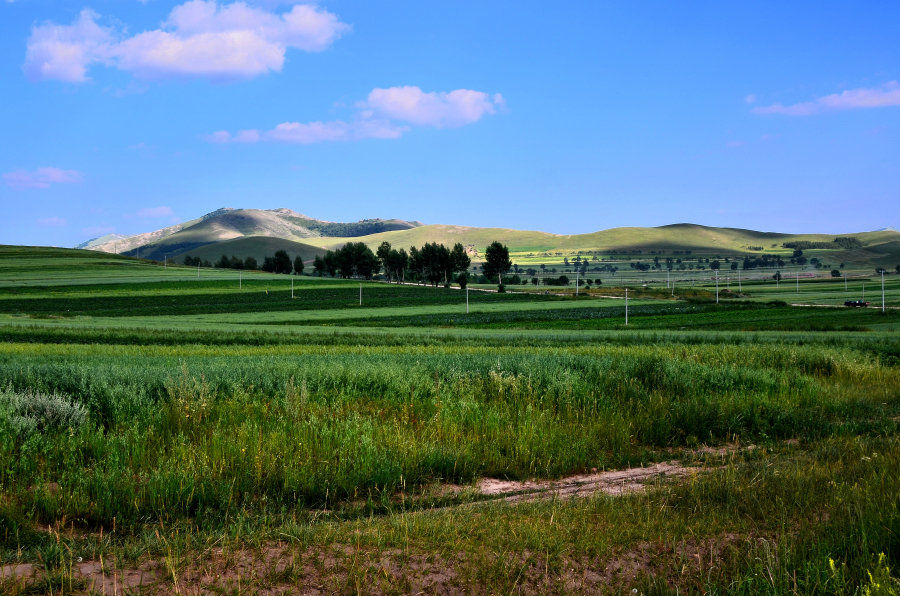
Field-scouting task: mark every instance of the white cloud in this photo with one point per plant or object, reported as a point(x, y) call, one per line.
point(200, 38)
point(64, 52)
point(411, 104)
point(885, 96)
point(155, 212)
point(386, 114)
point(41, 177)
point(52, 222)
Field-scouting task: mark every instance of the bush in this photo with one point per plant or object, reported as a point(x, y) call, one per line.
point(29, 412)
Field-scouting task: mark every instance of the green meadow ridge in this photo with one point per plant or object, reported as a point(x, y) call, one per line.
point(258, 233)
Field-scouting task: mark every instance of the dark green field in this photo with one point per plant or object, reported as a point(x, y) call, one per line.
point(226, 437)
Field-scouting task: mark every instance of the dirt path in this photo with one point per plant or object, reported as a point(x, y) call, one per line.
point(613, 482)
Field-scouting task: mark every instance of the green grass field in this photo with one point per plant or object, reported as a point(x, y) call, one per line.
point(231, 438)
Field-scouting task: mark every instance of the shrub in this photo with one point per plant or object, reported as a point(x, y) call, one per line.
point(29, 412)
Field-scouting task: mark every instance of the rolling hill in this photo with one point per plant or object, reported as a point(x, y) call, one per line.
point(257, 233)
point(228, 224)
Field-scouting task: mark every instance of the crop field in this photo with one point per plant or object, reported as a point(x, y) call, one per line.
point(164, 433)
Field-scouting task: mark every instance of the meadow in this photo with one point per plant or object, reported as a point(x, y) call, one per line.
point(228, 437)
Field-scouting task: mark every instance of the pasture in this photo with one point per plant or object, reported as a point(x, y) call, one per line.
point(179, 434)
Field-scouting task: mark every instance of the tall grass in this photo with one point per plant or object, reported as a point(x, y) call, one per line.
point(196, 430)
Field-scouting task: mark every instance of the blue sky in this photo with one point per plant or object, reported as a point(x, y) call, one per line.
point(126, 116)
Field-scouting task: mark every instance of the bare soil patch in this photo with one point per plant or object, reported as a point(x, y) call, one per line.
point(613, 482)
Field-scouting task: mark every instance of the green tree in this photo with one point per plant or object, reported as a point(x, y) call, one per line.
point(282, 262)
point(384, 255)
point(250, 263)
point(298, 265)
point(496, 262)
point(459, 261)
point(835, 273)
point(319, 266)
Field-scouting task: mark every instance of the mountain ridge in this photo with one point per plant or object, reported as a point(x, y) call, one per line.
point(252, 230)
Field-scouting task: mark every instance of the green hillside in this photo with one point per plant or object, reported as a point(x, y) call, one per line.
point(257, 247)
point(665, 239)
point(258, 233)
point(230, 224)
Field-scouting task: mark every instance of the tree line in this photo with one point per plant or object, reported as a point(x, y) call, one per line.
point(280, 262)
point(432, 263)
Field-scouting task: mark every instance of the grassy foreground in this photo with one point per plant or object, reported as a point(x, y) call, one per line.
point(304, 445)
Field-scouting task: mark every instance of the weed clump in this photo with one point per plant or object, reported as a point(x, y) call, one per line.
point(28, 412)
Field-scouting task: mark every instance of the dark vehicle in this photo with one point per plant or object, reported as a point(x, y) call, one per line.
point(856, 303)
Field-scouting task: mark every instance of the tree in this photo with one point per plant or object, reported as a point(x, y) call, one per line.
point(496, 262)
point(463, 280)
point(777, 276)
point(459, 261)
point(398, 262)
point(353, 259)
point(250, 263)
point(268, 265)
point(835, 273)
point(282, 262)
point(319, 266)
point(384, 255)
point(298, 265)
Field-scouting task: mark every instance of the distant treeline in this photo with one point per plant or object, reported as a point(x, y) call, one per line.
point(839, 242)
point(280, 262)
point(432, 263)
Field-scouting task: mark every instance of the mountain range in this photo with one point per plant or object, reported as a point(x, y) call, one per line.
point(259, 232)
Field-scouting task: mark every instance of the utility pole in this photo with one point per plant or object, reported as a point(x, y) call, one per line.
point(626, 307)
point(198, 269)
point(576, 283)
point(240, 280)
point(845, 282)
point(467, 299)
point(717, 286)
point(292, 287)
point(165, 262)
point(667, 278)
point(882, 289)
point(360, 294)
point(798, 282)
point(740, 289)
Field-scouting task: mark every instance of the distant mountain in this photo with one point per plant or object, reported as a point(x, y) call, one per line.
point(93, 243)
point(257, 233)
point(230, 224)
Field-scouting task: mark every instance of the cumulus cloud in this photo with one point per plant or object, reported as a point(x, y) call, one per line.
point(41, 177)
point(884, 96)
point(411, 104)
point(385, 114)
point(200, 38)
point(64, 52)
point(52, 222)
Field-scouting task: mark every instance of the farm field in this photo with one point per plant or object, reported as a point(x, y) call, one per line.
point(164, 433)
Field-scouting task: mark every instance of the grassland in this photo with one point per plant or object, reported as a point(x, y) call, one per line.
point(222, 435)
